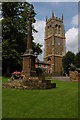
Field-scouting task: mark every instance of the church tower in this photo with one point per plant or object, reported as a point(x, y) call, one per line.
point(55, 45)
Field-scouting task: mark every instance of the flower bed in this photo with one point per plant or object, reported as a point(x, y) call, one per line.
point(16, 75)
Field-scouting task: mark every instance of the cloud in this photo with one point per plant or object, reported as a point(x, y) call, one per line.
point(1, 19)
point(78, 39)
point(72, 40)
point(75, 20)
point(39, 36)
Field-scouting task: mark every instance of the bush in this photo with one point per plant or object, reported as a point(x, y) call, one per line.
point(39, 71)
point(61, 72)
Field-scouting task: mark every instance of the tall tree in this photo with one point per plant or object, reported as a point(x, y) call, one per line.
point(67, 60)
point(14, 33)
point(77, 60)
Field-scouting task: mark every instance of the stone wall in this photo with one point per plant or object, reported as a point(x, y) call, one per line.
point(74, 76)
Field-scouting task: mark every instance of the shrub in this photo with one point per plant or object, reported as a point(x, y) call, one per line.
point(61, 72)
point(39, 71)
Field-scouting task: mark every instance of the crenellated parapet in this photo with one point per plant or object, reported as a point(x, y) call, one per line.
point(54, 18)
point(54, 25)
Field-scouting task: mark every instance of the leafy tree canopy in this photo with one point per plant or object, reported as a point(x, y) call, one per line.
point(67, 60)
point(14, 32)
point(77, 60)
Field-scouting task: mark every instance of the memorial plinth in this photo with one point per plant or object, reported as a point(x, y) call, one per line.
point(29, 65)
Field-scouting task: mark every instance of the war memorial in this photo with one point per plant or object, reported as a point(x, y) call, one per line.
point(30, 80)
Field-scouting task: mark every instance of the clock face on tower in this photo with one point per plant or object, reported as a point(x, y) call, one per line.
point(49, 43)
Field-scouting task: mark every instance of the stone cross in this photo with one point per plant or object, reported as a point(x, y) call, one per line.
point(29, 33)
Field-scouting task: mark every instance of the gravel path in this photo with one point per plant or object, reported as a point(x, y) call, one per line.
point(60, 78)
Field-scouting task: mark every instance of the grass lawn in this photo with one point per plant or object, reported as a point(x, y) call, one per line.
point(0, 97)
point(60, 102)
point(48, 77)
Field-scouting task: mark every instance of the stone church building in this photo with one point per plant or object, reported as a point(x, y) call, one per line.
point(55, 43)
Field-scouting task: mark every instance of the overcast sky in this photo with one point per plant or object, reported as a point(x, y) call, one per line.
point(70, 14)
